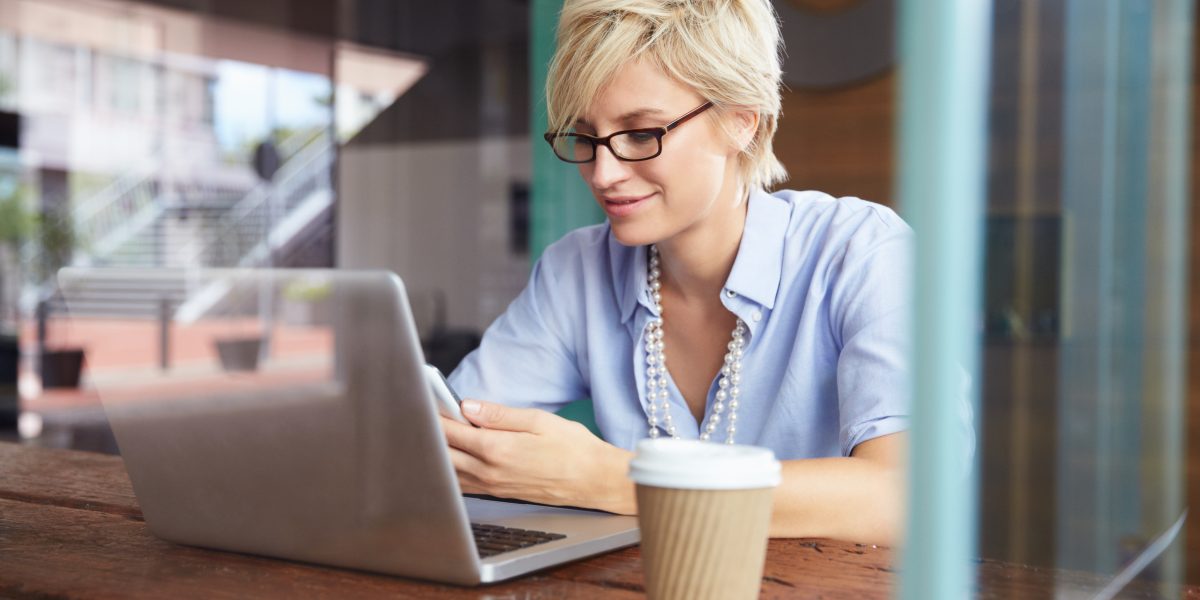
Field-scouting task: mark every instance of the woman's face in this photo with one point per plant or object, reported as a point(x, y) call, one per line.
point(691, 184)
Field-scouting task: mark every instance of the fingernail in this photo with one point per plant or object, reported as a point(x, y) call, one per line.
point(471, 406)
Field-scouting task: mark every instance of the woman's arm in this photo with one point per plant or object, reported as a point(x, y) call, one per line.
point(860, 498)
point(538, 456)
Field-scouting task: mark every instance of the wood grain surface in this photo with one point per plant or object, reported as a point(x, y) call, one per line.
point(70, 527)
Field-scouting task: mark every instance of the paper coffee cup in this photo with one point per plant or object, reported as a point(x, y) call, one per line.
point(704, 511)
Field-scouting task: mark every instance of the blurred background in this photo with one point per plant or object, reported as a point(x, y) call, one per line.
point(405, 136)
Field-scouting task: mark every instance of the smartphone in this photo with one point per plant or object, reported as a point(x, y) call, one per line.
point(448, 402)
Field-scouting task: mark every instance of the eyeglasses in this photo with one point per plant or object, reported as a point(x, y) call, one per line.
point(630, 145)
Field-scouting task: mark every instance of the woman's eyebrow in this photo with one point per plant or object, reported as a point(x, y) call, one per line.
point(641, 112)
point(627, 117)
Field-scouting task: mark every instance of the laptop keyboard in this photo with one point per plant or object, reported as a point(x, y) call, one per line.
point(491, 540)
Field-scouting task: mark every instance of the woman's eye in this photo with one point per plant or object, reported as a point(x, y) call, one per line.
point(641, 138)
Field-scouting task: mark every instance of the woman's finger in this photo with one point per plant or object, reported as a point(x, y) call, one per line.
point(464, 437)
point(464, 463)
point(499, 416)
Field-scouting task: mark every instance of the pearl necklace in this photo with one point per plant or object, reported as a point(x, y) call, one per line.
point(656, 371)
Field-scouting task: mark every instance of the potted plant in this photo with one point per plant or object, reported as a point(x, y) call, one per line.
point(60, 366)
point(16, 225)
point(239, 353)
point(245, 344)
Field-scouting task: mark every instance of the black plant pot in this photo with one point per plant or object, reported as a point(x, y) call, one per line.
point(10, 358)
point(61, 368)
point(239, 354)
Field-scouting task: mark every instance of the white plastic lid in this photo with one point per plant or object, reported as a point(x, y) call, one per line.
point(696, 465)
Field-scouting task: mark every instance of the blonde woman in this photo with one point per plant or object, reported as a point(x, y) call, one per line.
point(704, 307)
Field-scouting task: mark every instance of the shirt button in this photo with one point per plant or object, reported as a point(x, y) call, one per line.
point(756, 315)
point(730, 294)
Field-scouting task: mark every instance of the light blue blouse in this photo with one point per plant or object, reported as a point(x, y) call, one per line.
point(822, 283)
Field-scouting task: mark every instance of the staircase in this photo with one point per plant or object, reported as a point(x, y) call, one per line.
point(137, 224)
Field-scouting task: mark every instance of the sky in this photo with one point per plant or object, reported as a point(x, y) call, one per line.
point(241, 101)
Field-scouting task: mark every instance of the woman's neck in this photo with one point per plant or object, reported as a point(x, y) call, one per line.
point(697, 261)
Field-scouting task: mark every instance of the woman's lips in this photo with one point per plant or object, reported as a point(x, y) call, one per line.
point(623, 206)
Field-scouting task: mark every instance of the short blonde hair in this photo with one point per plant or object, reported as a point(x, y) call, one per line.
point(728, 51)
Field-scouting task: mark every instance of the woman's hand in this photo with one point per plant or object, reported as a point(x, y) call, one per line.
point(534, 455)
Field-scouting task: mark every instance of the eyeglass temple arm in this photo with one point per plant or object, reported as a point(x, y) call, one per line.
point(684, 118)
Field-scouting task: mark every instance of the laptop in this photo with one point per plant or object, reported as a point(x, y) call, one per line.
point(285, 413)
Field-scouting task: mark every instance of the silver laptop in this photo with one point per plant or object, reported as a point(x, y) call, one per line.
point(285, 413)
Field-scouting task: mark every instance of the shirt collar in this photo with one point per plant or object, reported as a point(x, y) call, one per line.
point(756, 270)
point(628, 273)
point(759, 263)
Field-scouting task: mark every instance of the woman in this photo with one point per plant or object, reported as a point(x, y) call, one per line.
point(705, 307)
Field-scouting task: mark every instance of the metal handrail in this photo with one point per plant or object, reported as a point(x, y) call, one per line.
point(240, 232)
point(109, 214)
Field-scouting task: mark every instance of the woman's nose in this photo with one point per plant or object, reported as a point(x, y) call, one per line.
point(607, 170)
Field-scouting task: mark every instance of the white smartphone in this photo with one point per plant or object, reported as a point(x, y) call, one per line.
point(448, 402)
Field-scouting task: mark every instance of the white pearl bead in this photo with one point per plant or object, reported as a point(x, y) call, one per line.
point(656, 370)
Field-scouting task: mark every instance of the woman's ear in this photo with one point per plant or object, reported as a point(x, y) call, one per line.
point(745, 125)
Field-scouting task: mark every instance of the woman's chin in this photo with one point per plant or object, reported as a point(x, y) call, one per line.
point(634, 234)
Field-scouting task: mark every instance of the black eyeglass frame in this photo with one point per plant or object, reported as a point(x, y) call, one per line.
point(657, 132)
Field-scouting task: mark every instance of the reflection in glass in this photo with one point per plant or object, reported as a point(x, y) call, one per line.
point(1085, 292)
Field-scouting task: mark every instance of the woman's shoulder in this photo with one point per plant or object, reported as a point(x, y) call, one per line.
point(586, 257)
point(815, 209)
point(826, 233)
point(582, 245)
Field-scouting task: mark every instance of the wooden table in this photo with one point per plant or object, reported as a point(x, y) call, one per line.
point(70, 527)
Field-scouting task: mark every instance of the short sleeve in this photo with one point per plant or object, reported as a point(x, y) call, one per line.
point(870, 298)
point(527, 358)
